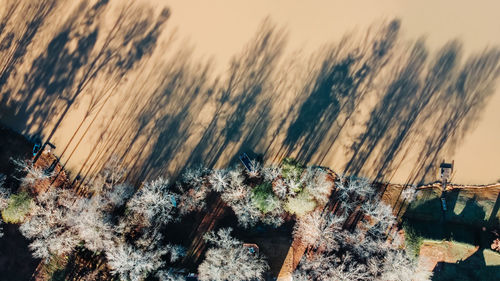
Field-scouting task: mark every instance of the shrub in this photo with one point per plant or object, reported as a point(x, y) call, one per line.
point(291, 169)
point(300, 205)
point(263, 197)
point(18, 207)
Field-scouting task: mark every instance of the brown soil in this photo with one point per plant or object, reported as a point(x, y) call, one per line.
point(431, 254)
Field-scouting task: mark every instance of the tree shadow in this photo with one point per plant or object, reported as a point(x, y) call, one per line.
point(472, 268)
point(344, 76)
point(16, 262)
point(392, 92)
point(440, 95)
point(429, 221)
point(243, 102)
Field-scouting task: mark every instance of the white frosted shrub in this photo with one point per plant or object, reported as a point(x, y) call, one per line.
point(228, 259)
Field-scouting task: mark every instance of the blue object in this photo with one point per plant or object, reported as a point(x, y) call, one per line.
point(172, 199)
point(443, 202)
point(36, 148)
point(246, 161)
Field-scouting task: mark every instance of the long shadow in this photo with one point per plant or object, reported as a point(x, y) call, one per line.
point(390, 110)
point(242, 108)
point(17, 37)
point(472, 268)
point(16, 262)
point(430, 222)
point(411, 92)
point(493, 222)
point(433, 102)
point(344, 77)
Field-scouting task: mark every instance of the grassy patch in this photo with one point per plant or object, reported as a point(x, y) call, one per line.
point(412, 239)
point(463, 206)
point(19, 206)
point(264, 198)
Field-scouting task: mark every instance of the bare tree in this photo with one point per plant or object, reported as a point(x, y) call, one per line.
point(133, 263)
point(33, 173)
point(154, 203)
point(218, 180)
point(194, 190)
point(230, 260)
point(49, 224)
point(111, 175)
point(4, 193)
point(318, 185)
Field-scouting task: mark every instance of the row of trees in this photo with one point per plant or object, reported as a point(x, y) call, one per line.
point(128, 226)
point(262, 194)
point(343, 248)
point(115, 220)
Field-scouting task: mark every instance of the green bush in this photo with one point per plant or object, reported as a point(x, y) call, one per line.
point(291, 169)
point(263, 197)
point(18, 207)
point(300, 205)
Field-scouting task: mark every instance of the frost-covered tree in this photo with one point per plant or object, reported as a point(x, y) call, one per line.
point(237, 195)
point(50, 224)
point(252, 206)
point(363, 254)
point(397, 266)
point(311, 227)
point(111, 175)
point(239, 199)
point(228, 259)
point(409, 193)
point(318, 185)
point(194, 177)
point(354, 186)
point(93, 223)
point(32, 173)
point(280, 188)
point(218, 180)
point(4, 193)
point(148, 211)
point(255, 169)
point(133, 263)
point(194, 190)
point(271, 173)
point(154, 203)
point(170, 275)
point(380, 215)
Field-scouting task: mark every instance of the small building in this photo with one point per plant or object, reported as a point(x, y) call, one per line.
point(445, 171)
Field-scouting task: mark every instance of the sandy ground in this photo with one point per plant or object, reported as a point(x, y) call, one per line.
point(165, 112)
